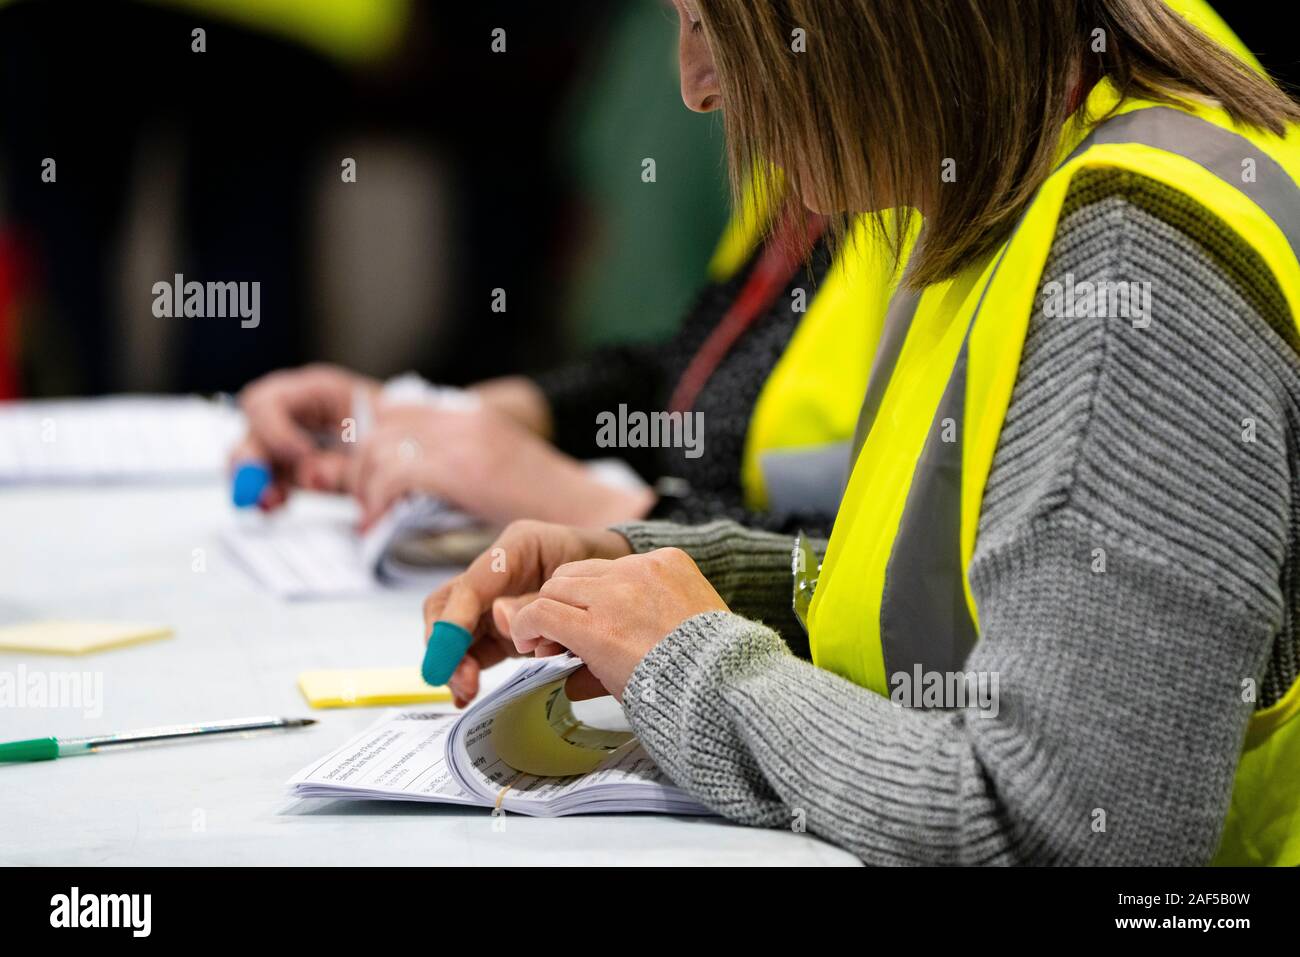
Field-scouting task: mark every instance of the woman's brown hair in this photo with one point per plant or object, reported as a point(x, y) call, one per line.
point(870, 101)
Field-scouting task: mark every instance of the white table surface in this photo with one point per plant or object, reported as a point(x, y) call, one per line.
point(126, 553)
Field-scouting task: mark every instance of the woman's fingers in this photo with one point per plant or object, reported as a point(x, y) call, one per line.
point(504, 609)
point(583, 685)
point(247, 449)
point(464, 600)
point(572, 591)
point(549, 620)
point(250, 450)
point(587, 568)
point(491, 645)
point(465, 679)
point(503, 613)
point(377, 478)
point(486, 651)
point(499, 586)
point(283, 411)
point(386, 484)
point(385, 470)
point(323, 471)
point(274, 495)
point(271, 424)
point(359, 468)
point(464, 605)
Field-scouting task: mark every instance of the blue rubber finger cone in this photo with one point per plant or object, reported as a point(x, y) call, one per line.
point(251, 480)
point(448, 643)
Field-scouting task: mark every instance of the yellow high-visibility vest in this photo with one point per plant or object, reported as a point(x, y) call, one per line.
point(1202, 16)
point(349, 30)
point(799, 440)
point(893, 591)
point(803, 423)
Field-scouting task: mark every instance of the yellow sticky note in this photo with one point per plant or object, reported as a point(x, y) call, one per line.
point(367, 687)
point(57, 637)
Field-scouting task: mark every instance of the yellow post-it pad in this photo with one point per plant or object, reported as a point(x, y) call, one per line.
point(57, 637)
point(367, 687)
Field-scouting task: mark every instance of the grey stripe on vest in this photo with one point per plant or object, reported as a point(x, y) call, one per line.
point(1222, 152)
point(805, 481)
point(897, 321)
point(923, 615)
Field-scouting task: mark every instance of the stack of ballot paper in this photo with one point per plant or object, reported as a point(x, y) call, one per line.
point(520, 748)
point(119, 439)
point(312, 553)
point(307, 553)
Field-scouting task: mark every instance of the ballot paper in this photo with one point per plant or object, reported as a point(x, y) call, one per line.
point(117, 439)
point(316, 554)
point(520, 748)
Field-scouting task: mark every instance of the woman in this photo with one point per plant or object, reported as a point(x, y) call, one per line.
point(516, 449)
point(775, 410)
point(1067, 549)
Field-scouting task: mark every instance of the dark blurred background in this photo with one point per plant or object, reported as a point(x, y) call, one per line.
point(476, 171)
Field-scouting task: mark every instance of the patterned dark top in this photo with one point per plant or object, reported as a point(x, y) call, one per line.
point(642, 376)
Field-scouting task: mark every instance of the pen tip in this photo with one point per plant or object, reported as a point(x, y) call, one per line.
point(300, 722)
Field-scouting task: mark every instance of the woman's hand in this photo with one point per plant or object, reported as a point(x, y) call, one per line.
point(484, 462)
point(610, 613)
point(486, 596)
point(284, 409)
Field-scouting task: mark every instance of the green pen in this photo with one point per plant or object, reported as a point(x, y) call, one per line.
point(47, 749)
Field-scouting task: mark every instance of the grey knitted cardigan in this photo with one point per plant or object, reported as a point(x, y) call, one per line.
point(1168, 451)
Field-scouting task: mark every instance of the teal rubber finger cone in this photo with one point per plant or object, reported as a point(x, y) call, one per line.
point(448, 643)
